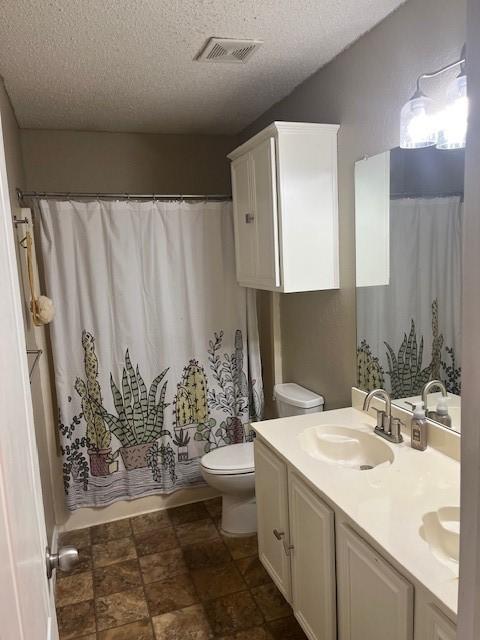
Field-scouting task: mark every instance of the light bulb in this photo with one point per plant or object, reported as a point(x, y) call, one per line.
point(417, 123)
point(453, 120)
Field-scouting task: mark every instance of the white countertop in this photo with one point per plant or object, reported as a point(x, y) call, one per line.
point(387, 503)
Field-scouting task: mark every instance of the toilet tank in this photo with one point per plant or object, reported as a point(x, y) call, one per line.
point(293, 400)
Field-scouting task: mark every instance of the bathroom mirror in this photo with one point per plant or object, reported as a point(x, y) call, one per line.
point(408, 228)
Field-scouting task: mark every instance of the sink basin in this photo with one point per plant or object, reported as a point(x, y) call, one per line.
point(441, 529)
point(346, 447)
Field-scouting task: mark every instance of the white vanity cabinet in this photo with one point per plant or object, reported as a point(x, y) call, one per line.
point(296, 543)
point(439, 627)
point(285, 204)
point(271, 489)
point(375, 601)
point(322, 566)
point(312, 536)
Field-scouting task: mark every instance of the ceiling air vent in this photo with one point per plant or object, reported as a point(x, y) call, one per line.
point(228, 50)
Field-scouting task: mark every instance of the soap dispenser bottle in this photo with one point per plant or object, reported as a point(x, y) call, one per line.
point(441, 413)
point(419, 428)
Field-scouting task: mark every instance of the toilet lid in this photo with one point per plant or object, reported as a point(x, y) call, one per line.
point(234, 458)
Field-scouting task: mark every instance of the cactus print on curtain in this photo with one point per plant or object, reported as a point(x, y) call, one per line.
point(155, 346)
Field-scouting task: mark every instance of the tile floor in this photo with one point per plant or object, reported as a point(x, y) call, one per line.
point(170, 575)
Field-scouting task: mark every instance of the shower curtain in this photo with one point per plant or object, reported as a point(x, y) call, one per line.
point(155, 346)
point(409, 332)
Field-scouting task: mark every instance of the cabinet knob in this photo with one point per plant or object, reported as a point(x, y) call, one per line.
point(249, 218)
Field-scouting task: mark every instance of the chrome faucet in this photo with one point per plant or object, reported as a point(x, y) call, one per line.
point(387, 426)
point(426, 390)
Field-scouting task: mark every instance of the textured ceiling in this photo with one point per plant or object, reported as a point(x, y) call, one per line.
point(127, 65)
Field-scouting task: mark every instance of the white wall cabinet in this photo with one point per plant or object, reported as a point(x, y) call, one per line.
point(285, 203)
point(376, 602)
point(372, 220)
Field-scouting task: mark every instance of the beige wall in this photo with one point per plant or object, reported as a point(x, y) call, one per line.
point(363, 90)
point(87, 161)
point(42, 414)
point(267, 354)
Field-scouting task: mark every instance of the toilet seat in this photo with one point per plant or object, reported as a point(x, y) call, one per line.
point(233, 459)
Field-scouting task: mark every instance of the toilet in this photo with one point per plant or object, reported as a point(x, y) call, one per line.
point(231, 469)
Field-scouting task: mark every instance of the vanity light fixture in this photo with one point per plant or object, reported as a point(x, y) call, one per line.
point(422, 126)
point(417, 122)
point(453, 119)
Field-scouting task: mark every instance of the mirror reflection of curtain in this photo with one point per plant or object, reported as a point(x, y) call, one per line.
point(422, 301)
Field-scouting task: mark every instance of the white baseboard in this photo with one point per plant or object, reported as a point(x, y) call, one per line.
point(91, 516)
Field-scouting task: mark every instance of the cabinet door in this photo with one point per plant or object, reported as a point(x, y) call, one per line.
point(374, 601)
point(271, 491)
point(244, 219)
point(438, 626)
point(265, 212)
point(313, 561)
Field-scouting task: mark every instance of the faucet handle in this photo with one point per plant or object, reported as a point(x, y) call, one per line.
point(380, 418)
point(396, 430)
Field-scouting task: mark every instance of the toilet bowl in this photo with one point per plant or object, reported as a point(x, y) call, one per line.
point(231, 469)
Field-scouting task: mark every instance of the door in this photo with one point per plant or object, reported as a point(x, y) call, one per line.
point(312, 536)
point(374, 601)
point(25, 609)
point(244, 220)
point(438, 626)
point(265, 210)
point(271, 491)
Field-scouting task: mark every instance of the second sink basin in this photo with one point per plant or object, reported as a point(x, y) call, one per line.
point(441, 529)
point(345, 447)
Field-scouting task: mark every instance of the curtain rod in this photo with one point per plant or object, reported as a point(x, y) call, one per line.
point(120, 196)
